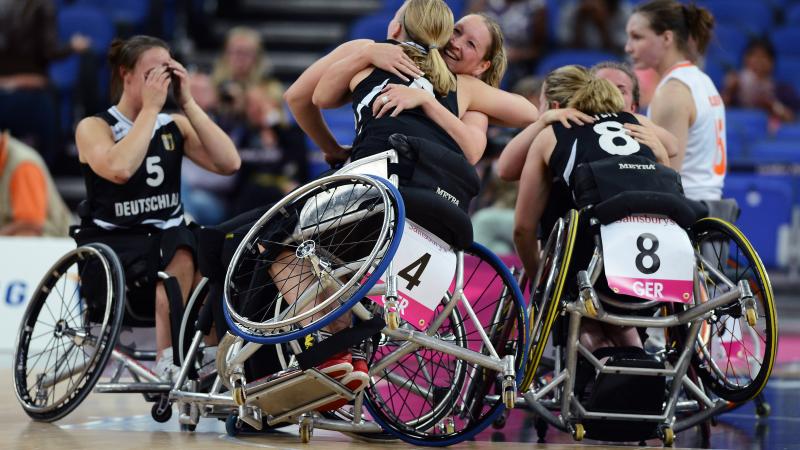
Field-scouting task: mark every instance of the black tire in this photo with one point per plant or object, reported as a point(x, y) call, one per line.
point(727, 251)
point(93, 270)
point(546, 290)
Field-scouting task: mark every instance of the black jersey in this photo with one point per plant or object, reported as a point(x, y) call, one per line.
point(372, 135)
point(152, 196)
point(605, 138)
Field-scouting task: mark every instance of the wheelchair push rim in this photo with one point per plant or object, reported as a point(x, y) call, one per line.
point(385, 238)
point(734, 358)
point(70, 335)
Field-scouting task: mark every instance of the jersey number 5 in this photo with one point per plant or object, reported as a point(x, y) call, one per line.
point(155, 174)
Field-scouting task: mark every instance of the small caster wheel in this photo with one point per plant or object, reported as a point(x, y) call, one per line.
point(591, 309)
point(579, 432)
point(189, 428)
point(306, 432)
point(238, 394)
point(500, 422)
point(509, 397)
point(752, 316)
point(763, 409)
point(392, 320)
point(233, 426)
point(668, 437)
point(161, 411)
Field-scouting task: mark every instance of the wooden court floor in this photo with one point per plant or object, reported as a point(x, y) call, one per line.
point(121, 422)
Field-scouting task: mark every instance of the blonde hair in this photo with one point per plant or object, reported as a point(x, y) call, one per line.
point(429, 23)
point(222, 70)
point(575, 87)
point(597, 96)
point(563, 82)
point(495, 54)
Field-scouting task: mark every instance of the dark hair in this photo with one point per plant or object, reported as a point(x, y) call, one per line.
point(627, 70)
point(123, 53)
point(763, 44)
point(685, 21)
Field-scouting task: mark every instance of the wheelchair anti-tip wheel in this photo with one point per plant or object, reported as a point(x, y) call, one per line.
point(428, 397)
point(547, 289)
point(734, 358)
point(69, 331)
point(319, 250)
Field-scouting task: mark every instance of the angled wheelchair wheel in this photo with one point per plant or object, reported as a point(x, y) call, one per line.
point(736, 351)
point(428, 397)
point(546, 290)
point(69, 331)
point(317, 251)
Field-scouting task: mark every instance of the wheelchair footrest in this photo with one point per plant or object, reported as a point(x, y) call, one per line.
point(293, 392)
point(132, 388)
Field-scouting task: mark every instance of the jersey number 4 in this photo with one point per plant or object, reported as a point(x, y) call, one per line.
point(155, 173)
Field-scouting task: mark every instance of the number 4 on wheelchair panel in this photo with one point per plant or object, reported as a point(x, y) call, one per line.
point(425, 266)
point(648, 257)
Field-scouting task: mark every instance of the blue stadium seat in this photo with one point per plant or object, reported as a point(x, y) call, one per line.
point(775, 151)
point(787, 70)
point(133, 13)
point(560, 58)
point(766, 204)
point(371, 27)
point(752, 17)
point(341, 117)
point(737, 150)
point(793, 14)
point(727, 44)
point(789, 131)
point(750, 124)
point(786, 41)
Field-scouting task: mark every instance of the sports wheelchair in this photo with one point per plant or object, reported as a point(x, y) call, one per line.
point(648, 260)
point(441, 319)
point(70, 334)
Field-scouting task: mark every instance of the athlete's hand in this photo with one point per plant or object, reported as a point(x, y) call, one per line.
point(565, 116)
point(646, 136)
point(392, 58)
point(398, 98)
point(181, 88)
point(337, 156)
point(155, 88)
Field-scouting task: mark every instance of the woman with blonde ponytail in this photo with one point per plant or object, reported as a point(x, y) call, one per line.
point(422, 28)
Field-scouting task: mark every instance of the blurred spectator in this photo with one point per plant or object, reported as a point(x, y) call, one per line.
point(594, 24)
point(29, 202)
point(494, 225)
point(205, 194)
point(28, 43)
point(274, 153)
point(529, 87)
point(648, 80)
point(754, 86)
point(524, 26)
point(242, 64)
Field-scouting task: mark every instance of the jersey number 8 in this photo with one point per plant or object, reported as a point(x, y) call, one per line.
point(614, 139)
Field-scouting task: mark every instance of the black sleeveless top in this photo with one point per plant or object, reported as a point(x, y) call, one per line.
point(605, 138)
point(152, 196)
point(372, 134)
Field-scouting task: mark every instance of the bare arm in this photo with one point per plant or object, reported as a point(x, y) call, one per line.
point(669, 141)
point(502, 107)
point(299, 97)
point(534, 190)
point(512, 159)
point(469, 132)
point(673, 109)
point(205, 142)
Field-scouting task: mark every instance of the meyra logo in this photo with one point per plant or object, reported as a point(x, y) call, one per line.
point(624, 166)
point(447, 195)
